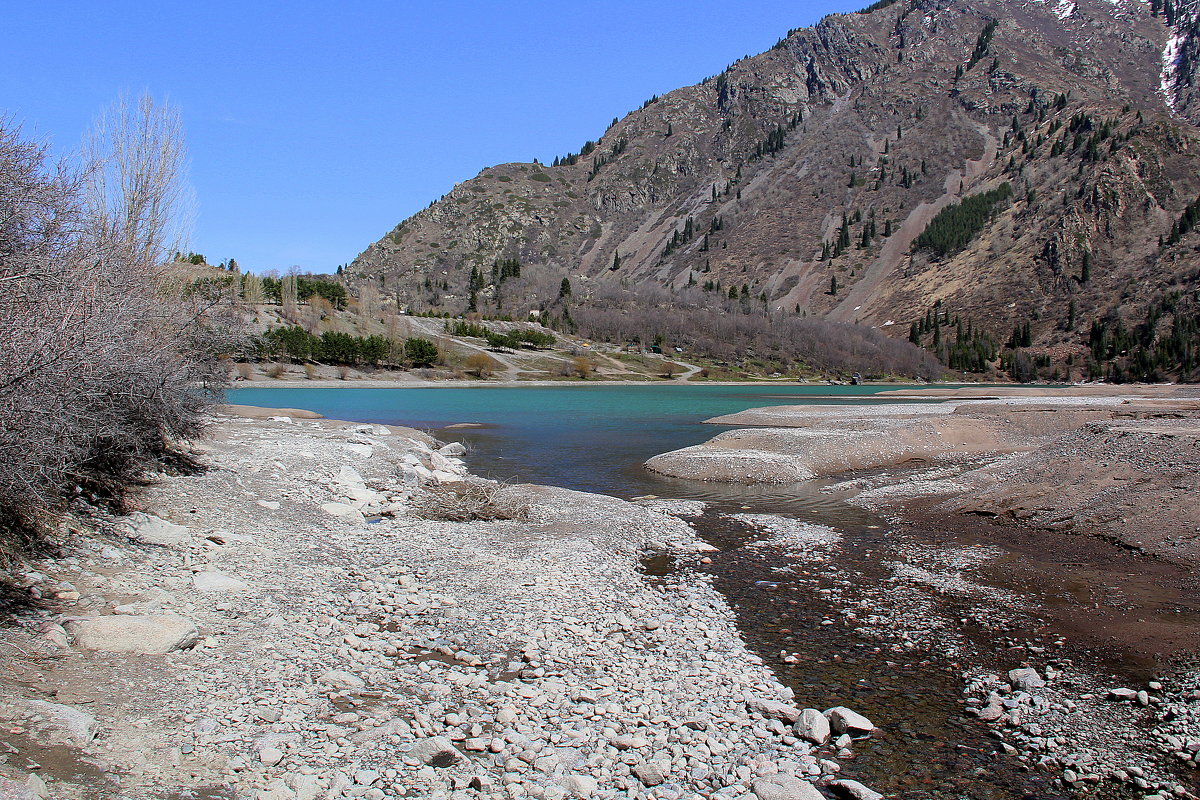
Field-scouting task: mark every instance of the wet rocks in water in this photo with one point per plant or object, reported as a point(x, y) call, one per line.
point(843, 720)
point(1089, 735)
point(853, 790)
point(773, 709)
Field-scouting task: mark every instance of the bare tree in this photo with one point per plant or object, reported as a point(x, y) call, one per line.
point(138, 197)
point(252, 288)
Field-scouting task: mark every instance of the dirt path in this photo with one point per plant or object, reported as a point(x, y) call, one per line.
point(896, 248)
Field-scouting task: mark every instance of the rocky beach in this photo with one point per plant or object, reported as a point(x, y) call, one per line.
point(330, 609)
point(296, 622)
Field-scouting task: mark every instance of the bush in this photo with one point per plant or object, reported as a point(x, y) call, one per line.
point(466, 502)
point(480, 364)
point(104, 365)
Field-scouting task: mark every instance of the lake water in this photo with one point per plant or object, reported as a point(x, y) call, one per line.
point(590, 438)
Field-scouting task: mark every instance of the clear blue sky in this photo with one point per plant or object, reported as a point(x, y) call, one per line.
point(315, 127)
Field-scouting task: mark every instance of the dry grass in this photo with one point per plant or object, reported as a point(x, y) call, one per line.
point(470, 501)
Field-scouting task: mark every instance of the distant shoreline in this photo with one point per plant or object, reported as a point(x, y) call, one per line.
point(900, 391)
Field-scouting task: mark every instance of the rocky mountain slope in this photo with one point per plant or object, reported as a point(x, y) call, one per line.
point(808, 174)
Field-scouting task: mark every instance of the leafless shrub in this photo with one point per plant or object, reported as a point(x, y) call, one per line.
point(276, 371)
point(343, 373)
point(310, 372)
point(102, 364)
point(469, 501)
point(481, 365)
point(245, 371)
point(582, 367)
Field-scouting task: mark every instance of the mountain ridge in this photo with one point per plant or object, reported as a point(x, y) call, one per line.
point(863, 126)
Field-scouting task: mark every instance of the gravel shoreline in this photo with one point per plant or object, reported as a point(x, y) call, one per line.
point(281, 627)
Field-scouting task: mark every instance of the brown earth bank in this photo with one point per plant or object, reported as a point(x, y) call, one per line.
point(1119, 466)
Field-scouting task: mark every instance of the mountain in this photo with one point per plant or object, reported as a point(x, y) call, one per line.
point(1019, 167)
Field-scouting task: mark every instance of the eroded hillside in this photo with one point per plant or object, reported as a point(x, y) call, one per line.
point(802, 178)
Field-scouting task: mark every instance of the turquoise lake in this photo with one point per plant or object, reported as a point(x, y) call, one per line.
point(590, 438)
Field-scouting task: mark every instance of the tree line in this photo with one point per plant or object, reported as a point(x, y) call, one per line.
point(343, 349)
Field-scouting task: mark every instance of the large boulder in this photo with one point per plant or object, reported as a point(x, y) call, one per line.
point(61, 724)
point(843, 720)
point(213, 582)
point(812, 726)
point(149, 529)
point(774, 709)
point(785, 787)
point(342, 511)
point(853, 790)
point(436, 751)
point(1025, 679)
point(11, 790)
point(150, 634)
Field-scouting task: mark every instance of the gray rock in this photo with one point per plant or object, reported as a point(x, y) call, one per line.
point(275, 790)
point(650, 773)
point(436, 751)
point(342, 679)
point(991, 712)
point(1122, 694)
point(11, 790)
point(579, 786)
point(149, 529)
point(452, 449)
point(785, 787)
point(35, 784)
point(1025, 679)
point(151, 634)
point(812, 726)
point(773, 709)
point(63, 724)
point(342, 511)
point(214, 582)
point(854, 790)
point(270, 756)
point(843, 720)
point(366, 777)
